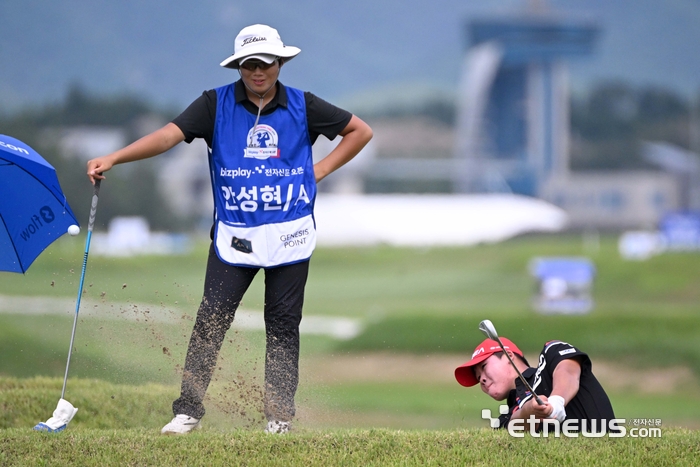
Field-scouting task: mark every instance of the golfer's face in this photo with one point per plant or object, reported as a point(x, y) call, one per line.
point(496, 377)
point(259, 76)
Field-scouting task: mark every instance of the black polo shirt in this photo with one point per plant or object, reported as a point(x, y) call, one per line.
point(197, 121)
point(590, 403)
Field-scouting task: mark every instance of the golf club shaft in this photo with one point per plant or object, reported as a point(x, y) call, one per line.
point(91, 223)
point(522, 378)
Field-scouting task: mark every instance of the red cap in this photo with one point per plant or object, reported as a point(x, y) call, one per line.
point(465, 373)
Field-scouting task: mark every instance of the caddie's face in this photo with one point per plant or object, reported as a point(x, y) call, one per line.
point(496, 377)
point(259, 76)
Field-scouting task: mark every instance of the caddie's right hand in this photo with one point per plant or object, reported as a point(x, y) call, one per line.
point(97, 167)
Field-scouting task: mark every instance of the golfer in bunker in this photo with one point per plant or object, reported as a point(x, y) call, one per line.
point(563, 381)
point(259, 135)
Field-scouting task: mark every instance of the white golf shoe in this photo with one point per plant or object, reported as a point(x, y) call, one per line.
point(180, 425)
point(278, 427)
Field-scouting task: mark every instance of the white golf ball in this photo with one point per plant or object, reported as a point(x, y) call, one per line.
point(74, 230)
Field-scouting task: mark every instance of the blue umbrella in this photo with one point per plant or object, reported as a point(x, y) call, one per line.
point(33, 209)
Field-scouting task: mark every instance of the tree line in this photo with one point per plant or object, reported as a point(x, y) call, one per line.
point(129, 191)
point(608, 125)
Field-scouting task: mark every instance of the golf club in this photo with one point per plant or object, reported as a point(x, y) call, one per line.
point(65, 411)
point(487, 327)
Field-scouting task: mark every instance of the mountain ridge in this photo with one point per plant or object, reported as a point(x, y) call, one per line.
point(168, 51)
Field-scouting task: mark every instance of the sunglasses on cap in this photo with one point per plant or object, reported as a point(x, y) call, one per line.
point(251, 65)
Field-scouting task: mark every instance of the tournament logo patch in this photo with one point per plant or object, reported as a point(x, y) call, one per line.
point(262, 144)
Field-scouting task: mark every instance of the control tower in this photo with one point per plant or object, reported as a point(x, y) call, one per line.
point(513, 109)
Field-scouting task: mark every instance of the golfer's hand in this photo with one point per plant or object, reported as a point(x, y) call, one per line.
point(96, 168)
point(558, 410)
point(540, 411)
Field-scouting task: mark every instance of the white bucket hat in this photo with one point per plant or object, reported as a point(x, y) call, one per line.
point(261, 42)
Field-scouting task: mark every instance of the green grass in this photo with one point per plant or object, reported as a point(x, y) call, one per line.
point(98, 447)
point(119, 425)
point(150, 279)
point(113, 351)
point(116, 351)
point(380, 281)
point(418, 301)
point(655, 340)
point(416, 405)
point(679, 409)
point(26, 402)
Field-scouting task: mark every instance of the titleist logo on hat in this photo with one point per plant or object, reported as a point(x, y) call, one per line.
point(250, 40)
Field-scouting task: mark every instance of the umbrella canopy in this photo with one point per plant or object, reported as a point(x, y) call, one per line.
point(33, 209)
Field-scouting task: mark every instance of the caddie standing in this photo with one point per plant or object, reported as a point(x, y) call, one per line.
point(259, 135)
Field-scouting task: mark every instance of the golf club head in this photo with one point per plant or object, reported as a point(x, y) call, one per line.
point(487, 327)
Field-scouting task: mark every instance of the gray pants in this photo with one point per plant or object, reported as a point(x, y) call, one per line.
point(224, 287)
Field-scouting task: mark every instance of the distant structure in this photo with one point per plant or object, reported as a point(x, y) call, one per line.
point(513, 111)
point(512, 131)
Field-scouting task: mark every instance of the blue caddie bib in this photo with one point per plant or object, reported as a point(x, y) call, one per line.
point(263, 182)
